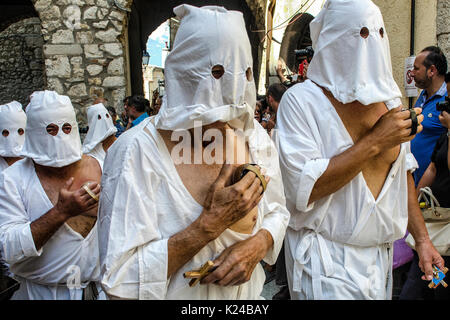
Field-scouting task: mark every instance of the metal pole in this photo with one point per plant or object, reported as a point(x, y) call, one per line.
point(411, 42)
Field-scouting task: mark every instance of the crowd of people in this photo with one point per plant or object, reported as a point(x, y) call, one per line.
point(212, 186)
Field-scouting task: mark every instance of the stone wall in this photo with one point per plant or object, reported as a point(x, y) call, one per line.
point(443, 27)
point(84, 50)
point(258, 7)
point(21, 61)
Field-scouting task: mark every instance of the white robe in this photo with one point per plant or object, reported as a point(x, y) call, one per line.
point(98, 153)
point(67, 257)
point(338, 246)
point(3, 164)
point(145, 203)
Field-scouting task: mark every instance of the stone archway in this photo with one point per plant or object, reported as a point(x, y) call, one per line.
point(86, 44)
point(296, 36)
point(147, 15)
point(21, 57)
point(443, 27)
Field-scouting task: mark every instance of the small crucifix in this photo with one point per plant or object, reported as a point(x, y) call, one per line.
point(198, 274)
point(438, 277)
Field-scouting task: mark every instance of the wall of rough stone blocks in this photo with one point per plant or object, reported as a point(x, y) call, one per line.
point(21, 61)
point(443, 27)
point(84, 50)
point(258, 7)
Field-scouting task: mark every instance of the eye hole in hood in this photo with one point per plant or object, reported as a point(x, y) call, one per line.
point(52, 129)
point(364, 32)
point(217, 71)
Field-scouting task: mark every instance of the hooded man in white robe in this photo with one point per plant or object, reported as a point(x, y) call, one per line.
point(345, 158)
point(172, 205)
point(101, 133)
point(48, 233)
point(12, 127)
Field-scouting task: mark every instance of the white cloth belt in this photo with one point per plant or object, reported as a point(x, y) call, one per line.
point(303, 255)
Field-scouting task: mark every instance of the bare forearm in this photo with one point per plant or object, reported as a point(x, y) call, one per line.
point(343, 168)
point(43, 228)
point(427, 178)
point(416, 224)
point(186, 244)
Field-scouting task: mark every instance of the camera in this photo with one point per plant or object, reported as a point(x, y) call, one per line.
point(308, 52)
point(443, 105)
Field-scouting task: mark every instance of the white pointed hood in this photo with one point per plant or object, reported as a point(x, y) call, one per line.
point(100, 127)
point(208, 36)
point(12, 128)
point(45, 108)
point(349, 66)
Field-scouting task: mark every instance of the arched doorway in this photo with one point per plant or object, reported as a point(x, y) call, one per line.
point(147, 15)
point(297, 36)
point(21, 51)
point(12, 11)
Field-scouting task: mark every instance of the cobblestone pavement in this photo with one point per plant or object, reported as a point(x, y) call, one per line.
point(269, 290)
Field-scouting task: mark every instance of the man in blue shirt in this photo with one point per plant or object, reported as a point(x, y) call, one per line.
point(430, 67)
point(136, 110)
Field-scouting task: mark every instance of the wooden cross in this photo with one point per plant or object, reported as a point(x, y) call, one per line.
point(199, 274)
point(438, 276)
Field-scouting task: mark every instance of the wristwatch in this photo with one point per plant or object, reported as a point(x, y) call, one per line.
point(448, 133)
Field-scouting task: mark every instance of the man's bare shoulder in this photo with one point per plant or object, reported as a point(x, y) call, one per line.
point(88, 162)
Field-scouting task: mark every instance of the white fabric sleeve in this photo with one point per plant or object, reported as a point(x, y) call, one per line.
point(301, 160)
point(133, 256)
point(275, 220)
point(16, 240)
point(273, 204)
point(411, 162)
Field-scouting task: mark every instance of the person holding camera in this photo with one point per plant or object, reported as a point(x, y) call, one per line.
point(304, 55)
